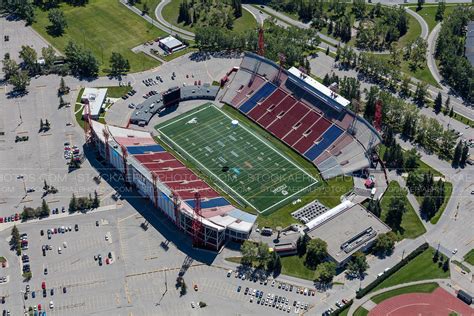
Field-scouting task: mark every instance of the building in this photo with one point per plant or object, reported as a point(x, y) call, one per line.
point(469, 46)
point(158, 176)
point(144, 112)
point(170, 44)
point(346, 229)
point(95, 98)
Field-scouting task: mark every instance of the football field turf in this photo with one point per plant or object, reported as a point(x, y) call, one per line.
point(236, 159)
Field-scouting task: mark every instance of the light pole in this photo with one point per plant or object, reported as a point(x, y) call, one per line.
point(19, 111)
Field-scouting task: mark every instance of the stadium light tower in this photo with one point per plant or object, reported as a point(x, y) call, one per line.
point(261, 41)
point(197, 220)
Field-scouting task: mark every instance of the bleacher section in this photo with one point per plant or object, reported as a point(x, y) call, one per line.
point(315, 123)
point(258, 96)
point(139, 150)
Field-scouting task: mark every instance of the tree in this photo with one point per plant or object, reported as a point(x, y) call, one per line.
point(263, 254)
point(146, 8)
point(301, 244)
point(274, 263)
point(184, 289)
point(49, 56)
point(438, 103)
point(446, 105)
point(327, 51)
point(10, 68)
point(63, 89)
point(440, 11)
point(249, 253)
point(420, 93)
point(464, 155)
point(395, 212)
point(325, 272)
point(457, 154)
point(30, 57)
point(358, 264)
point(316, 252)
point(96, 201)
point(20, 81)
point(58, 22)
point(237, 6)
point(73, 203)
point(374, 207)
point(420, 5)
point(451, 112)
point(119, 65)
point(45, 211)
point(372, 96)
point(81, 62)
point(411, 161)
point(405, 87)
point(418, 53)
point(446, 265)
point(15, 240)
point(384, 243)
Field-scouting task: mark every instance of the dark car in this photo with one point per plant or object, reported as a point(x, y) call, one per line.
point(44, 293)
point(64, 290)
point(33, 294)
point(76, 227)
point(42, 232)
point(52, 291)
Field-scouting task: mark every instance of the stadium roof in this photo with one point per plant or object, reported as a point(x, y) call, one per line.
point(320, 88)
point(348, 226)
point(469, 46)
point(96, 99)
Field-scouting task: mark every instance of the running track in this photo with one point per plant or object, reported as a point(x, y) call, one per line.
point(440, 302)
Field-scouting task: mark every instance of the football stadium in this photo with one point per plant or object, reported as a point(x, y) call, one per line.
point(203, 167)
point(235, 158)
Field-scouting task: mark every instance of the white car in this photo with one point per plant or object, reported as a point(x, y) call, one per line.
point(193, 305)
point(229, 273)
point(455, 251)
point(51, 304)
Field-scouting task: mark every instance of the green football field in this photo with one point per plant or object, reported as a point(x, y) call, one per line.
point(237, 160)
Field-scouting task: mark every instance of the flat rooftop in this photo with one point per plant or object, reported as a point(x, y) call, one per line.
point(348, 227)
point(96, 99)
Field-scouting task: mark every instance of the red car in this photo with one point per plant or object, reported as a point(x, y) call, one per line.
point(43, 285)
point(1, 219)
point(17, 216)
point(39, 307)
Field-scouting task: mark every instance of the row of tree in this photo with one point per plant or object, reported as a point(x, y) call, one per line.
point(455, 68)
point(209, 13)
point(259, 255)
point(39, 212)
point(83, 203)
point(294, 42)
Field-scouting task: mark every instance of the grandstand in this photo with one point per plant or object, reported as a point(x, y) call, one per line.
point(304, 114)
point(157, 175)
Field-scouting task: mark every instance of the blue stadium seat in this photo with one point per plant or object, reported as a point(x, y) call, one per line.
point(140, 150)
point(327, 139)
point(264, 92)
point(220, 201)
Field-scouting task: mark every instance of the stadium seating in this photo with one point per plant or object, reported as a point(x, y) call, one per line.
point(137, 150)
point(258, 96)
point(326, 140)
point(334, 139)
point(311, 135)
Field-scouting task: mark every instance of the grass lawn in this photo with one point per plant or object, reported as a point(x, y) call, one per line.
point(328, 193)
point(420, 268)
point(77, 106)
point(469, 257)
point(294, 266)
point(237, 159)
point(422, 73)
point(171, 10)
point(103, 26)
point(448, 189)
point(117, 91)
point(411, 226)
point(152, 4)
point(418, 288)
point(291, 265)
point(2, 259)
point(361, 312)
point(428, 13)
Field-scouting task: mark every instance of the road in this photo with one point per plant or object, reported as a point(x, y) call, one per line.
point(430, 59)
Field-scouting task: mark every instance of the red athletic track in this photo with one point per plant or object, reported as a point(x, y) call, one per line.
point(440, 302)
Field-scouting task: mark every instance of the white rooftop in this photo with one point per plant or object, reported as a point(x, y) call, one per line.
point(170, 42)
point(96, 99)
point(320, 87)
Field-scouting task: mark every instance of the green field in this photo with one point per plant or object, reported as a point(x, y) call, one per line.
point(236, 159)
point(411, 226)
point(171, 10)
point(428, 13)
point(420, 268)
point(361, 312)
point(469, 257)
point(418, 288)
point(103, 26)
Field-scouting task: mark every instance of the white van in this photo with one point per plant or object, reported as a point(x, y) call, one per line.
point(59, 250)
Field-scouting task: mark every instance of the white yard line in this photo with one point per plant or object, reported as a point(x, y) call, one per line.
point(256, 137)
